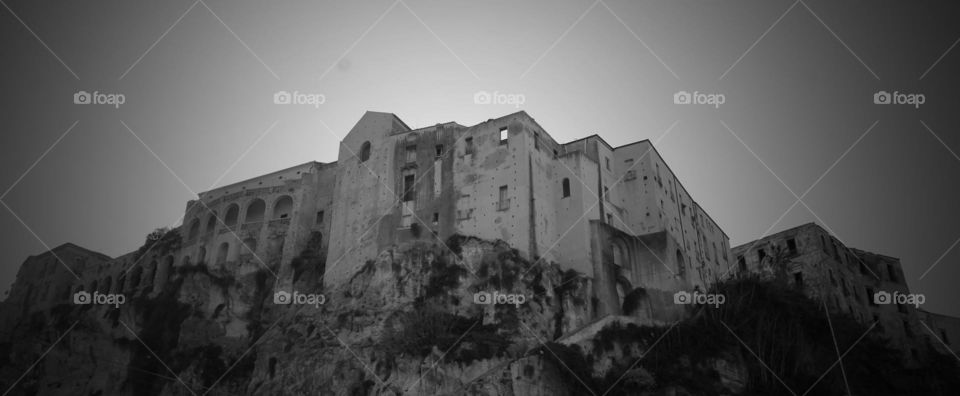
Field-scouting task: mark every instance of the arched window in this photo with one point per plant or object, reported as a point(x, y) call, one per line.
point(194, 229)
point(232, 213)
point(211, 223)
point(283, 208)
point(365, 152)
point(566, 187)
point(255, 211)
point(222, 253)
point(164, 271)
point(202, 255)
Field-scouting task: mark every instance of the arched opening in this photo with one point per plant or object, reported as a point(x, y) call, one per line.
point(164, 270)
point(121, 283)
point(211, 223)
point(566, 187)
point(283, 208)
point(681, 265)
point(194, 230)
point(185, 261)
point(364, 151)
point(93, 287)
point(202, 255)
point(249, 246)
point(222, 253)
point(105, 285)
point(255, 211)
point(233, 212)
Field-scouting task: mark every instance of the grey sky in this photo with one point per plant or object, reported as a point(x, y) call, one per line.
point(202, 96)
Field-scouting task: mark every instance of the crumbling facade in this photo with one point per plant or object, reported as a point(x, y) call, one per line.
point(617, 215)
point(847, 281)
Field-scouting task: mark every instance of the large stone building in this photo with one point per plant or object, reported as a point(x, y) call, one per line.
point(617, 215)
point(848, 281)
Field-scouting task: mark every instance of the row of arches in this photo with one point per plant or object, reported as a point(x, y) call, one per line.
point(255, 212)
point(147, 277)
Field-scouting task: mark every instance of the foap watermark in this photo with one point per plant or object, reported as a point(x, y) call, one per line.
point(299, 98)
point(884, 298)
point(900, 98)
point(99, 98)
point(697, 298)
point(97, 298)
point(297, 298)
point(488, 298)
point(699, 98)
point(499, 98)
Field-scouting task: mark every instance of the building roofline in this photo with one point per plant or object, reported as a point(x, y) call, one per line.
point(71, 245)
point(235, 184)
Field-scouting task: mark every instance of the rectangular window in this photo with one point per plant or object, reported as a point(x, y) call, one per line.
point(607, 160)
point(504, 202)
point(504, 135)
point(536, 141)
point(792, 246)
point(408, 189)
point(892, 273)
point(742, 263)
point(943, 336)
point(320, 217)
point(761, 254)
point(411, 154)
point(869, 293)
point(798, 279)
point(606, 194)
point(436, 218)
point(610, 218)
point(439, 150)
point(469, 145)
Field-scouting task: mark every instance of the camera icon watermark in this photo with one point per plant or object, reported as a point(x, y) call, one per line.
point(499, 98)
point(884, 298)
point(299, 98)
point(497, 298)
point(85, 98)
point(885, 98)
point(97, 298)
point(699, 98)
point(296, 298)
point(683, 297)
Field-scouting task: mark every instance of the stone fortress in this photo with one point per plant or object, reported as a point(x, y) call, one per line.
point(617, 215)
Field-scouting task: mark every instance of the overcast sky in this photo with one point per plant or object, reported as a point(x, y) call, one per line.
point(798, 81)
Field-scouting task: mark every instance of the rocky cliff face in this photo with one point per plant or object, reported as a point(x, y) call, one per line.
point(419, 319)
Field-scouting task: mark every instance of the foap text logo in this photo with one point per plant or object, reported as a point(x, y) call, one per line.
point(99, 98)
point(699, 98)
point(299, 98)
point(85, 298)
point(899, 98)
point(697, 298)
point(497, 298)
point(499, 98)
point(885, 297)
point(296, 298)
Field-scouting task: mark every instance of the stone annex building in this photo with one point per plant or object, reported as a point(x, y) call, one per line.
point(615, 214)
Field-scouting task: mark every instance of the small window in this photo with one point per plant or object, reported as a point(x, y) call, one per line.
point(792, 246)
point(411, 154)
point(798, 279)
point(438, 149)
point(504, 202)
point(436, 218)
point(606, 194)
point(761, 254)
point(869, 293)
point(320, 217)
point(504, 135)
point(566, 187)
point(943, 336)
point(892, 273)
point(607, 161)
point(555, 153)
point(408, 189)
point(610, 218)
point(365, 152)
point(469, 145)
point(536, 141)
point(742, 263)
